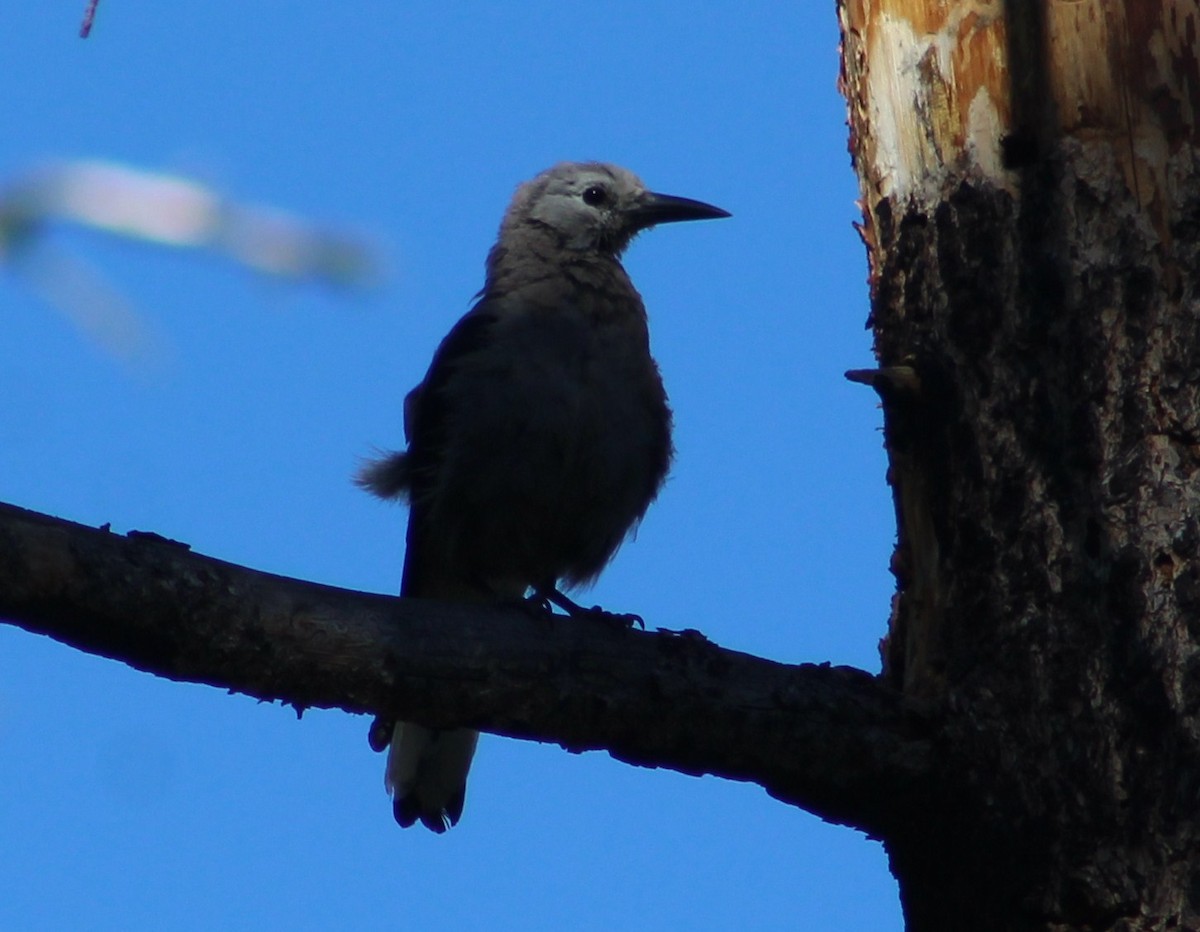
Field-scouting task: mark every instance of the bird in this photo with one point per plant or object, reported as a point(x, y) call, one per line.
point(537, 439)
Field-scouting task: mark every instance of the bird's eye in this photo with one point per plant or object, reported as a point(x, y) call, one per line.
point(595, 196)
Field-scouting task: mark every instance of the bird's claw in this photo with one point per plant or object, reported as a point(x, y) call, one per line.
point(380, 734)
point(621, 621)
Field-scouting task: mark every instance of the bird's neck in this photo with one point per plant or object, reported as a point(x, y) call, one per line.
point(538, 254)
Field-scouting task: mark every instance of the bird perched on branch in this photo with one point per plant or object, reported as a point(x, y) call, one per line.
point(538, 437)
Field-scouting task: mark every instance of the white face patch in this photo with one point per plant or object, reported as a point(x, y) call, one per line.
point(583, 202)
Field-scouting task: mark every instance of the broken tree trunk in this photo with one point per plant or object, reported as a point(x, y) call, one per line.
point(1031, 202)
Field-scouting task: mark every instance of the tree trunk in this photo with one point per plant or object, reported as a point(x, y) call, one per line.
point(1031, 205)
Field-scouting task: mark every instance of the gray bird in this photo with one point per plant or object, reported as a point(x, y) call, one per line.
point(538, 437)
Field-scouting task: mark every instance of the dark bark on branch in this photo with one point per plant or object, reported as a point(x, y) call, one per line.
point(831, 739)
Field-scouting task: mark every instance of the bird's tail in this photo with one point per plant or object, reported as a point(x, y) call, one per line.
point(427, 768)
point(426, 774)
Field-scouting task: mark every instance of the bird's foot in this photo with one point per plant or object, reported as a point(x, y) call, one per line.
point(620, 620)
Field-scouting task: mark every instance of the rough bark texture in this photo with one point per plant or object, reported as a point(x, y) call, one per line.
point(831, 739)
point(1032, 219)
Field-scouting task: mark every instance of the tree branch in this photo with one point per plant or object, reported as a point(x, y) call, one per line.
point(830, 739)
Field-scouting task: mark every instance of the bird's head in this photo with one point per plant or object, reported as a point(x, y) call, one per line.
point(592, 206)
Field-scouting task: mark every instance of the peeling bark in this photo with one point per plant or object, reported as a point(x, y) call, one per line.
point(1030, 201)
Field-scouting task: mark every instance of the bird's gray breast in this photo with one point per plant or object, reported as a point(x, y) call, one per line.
point(557, 441)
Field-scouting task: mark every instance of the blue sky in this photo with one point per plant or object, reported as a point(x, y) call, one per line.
point(132, 802)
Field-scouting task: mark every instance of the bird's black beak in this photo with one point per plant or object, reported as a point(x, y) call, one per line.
point(666, 208)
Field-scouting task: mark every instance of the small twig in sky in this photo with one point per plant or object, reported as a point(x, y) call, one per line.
point(89, 16)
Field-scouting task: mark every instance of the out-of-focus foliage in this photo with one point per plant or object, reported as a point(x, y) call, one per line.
point(160, 209)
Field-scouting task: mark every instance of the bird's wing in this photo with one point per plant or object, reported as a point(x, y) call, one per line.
point(425, 407)
point(426, 415)
point(409, 474)
point(427, 767)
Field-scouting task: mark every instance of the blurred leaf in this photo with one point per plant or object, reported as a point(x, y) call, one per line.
point(165, 210)
point(184, 213)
